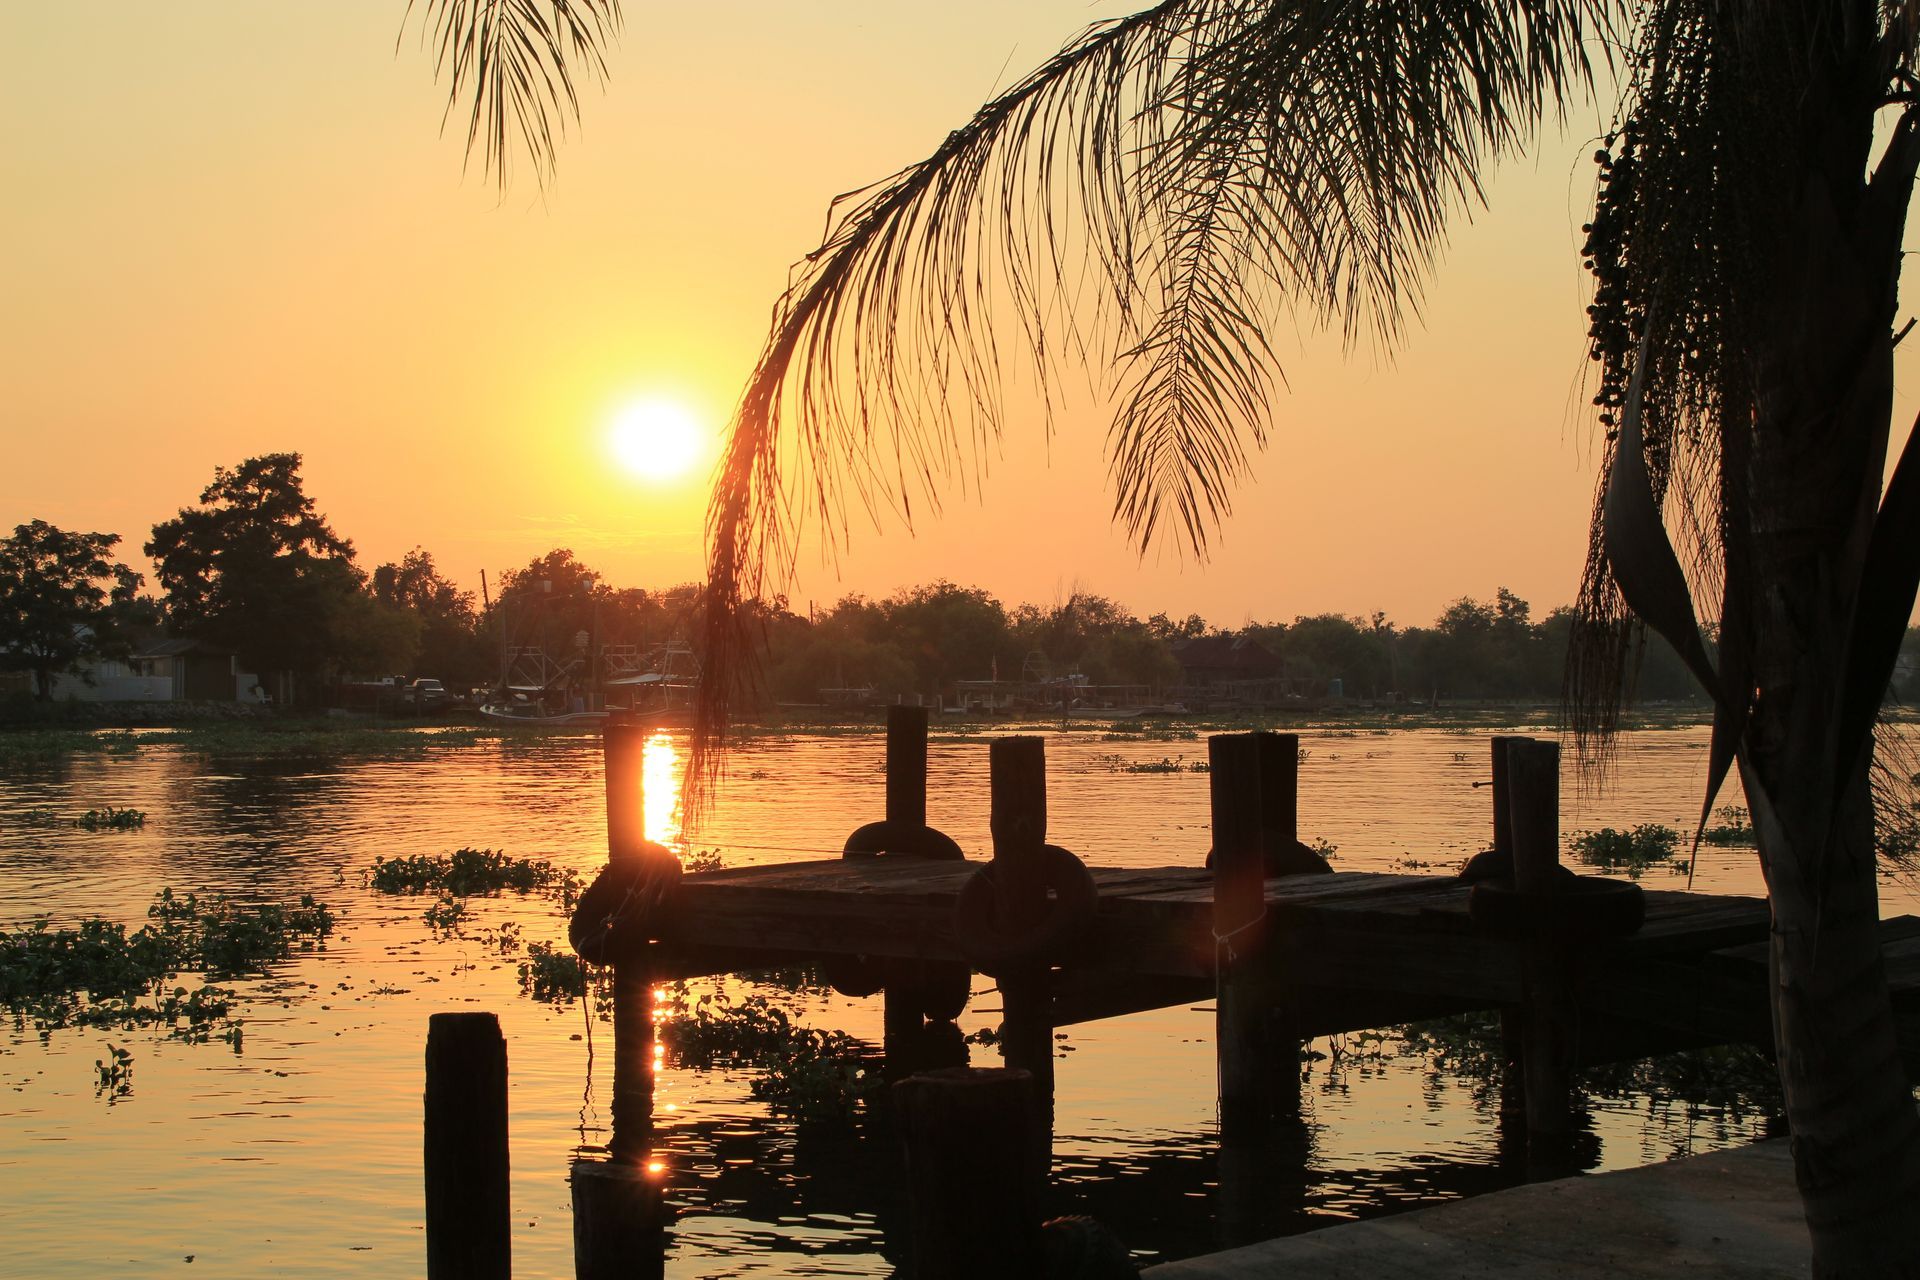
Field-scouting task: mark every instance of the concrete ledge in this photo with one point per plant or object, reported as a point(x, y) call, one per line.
point(1732, 1213)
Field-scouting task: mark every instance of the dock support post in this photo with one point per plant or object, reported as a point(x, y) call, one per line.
point(1249, 1037)
point(619, 1221)
point(973, 1172)
point(619, 1204)
point(1279, 757)
point(901, 999)
point(1512, 1018)
point(624, 748)
point(1547, 985)
point(619, 1214)
point(469, 1233)
point(1017, 772)
point(907, 765)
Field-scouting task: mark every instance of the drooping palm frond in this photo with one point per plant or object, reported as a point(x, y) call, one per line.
point(511, 67)
point(1145, 198)
point(1697, 245)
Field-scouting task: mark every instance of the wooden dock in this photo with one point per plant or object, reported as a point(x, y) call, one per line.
point(1355, 949)
point(1582, 970)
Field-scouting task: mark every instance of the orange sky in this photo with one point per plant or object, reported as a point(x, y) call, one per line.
point(233, 229)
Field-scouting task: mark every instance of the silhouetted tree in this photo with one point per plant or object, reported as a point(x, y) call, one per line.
point(449, 646)
point(64, 601)
point(256, 568)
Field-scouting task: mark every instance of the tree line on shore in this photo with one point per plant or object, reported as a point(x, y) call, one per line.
point(253, 567)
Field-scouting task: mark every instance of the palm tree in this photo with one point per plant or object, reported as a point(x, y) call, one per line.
point(1181, 172)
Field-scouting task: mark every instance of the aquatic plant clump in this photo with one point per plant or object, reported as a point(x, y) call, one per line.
point(552, 975)
point(1647, 845)
point(1733, 827)
point(97, 974)
point(111, 819)
point(217, 937)
point(467, 872)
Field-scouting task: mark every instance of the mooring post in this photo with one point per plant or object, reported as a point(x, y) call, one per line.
point(1243, 1028)
point(624, 746)
point(1512, 1017)
point(1279, 764)
point(1547, 987)
point(1279, 786)
point(977, 1186)
point(901, 1000)
point(1017, 781)
point(619, 1215)
point(619, 1221)
point(619, 1205)
point(1502, 793)
point(469, 1235)
point(907, 765)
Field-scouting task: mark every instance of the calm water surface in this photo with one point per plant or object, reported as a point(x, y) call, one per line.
point(300, 1154)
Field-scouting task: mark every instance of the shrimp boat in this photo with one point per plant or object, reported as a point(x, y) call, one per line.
point(664, 691)
point(538, 691)
point(531, 713)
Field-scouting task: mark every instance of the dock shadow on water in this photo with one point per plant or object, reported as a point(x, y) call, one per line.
point(758, 1123)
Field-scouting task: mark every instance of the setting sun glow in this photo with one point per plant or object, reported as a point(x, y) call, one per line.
point(656, 440)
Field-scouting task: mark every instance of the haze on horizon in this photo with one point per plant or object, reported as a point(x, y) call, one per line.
point(241, 232)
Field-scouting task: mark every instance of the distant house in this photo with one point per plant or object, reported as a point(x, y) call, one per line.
point(1210, 661)
point(166, 670)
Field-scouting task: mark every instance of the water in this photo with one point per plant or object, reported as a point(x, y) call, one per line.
point(300, 1153)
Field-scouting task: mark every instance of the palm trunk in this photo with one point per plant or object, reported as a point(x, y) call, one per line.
point(1823, 398)
point(1856, 1134)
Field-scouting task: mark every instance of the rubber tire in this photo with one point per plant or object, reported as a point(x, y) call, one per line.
point(901, 839)
point(618, 913)
point(1301, 859)
point(1578, 908)
point(942, 990)
point(994, 952)
point(856, 977)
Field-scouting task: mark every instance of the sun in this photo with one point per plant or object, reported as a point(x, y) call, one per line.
point(656, 439)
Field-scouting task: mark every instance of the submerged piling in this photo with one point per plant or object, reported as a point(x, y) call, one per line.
point(974, 1171)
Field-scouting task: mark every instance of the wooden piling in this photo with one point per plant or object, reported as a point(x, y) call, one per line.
point(1258, 1058)
point(1548, 995)
point(903, 999)
point(973, 1172)
point(1279, 756)
point(1512, 1018)
point(469, 1234)
point(1502, 815)
point(907, 765)
point(624, 748)
point(619, 1221)
point(1017, 782)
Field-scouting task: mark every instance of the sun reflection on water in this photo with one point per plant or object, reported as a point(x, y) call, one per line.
point(660, 774)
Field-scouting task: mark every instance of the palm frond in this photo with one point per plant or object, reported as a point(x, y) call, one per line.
point(1144, 198)
point(511, 68)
